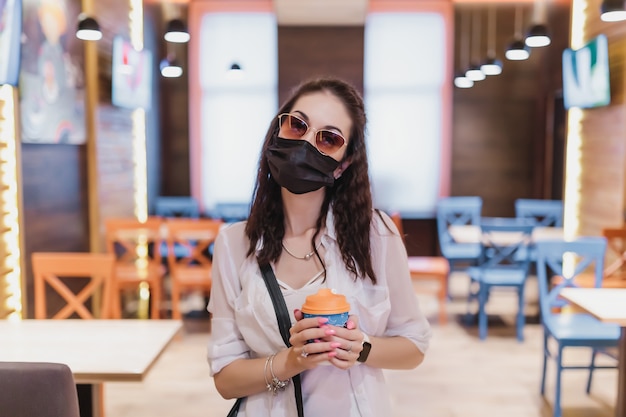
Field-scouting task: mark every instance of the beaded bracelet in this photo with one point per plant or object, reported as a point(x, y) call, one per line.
point(275, 384)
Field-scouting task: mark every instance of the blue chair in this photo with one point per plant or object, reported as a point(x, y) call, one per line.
point(174, 207)
point(566, 260)
point(504, 264)
point(177, 207)
point(544, 212)
point(458, 211)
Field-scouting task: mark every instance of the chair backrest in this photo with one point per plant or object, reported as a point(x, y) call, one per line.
point(616, 251)
point(505, 242)
point(177, 207)
point(544, 212)
point(566, 260)
point(196, 236)
point(130, 239)
point(63, 272)
point(37, 389)
point(231, 212)
point(457, 211)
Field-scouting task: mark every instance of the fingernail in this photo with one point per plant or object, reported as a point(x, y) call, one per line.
point(295, 311)
point(332, 354)
point(322, 320)
point(335, 345)
point(350, 325)
point(329, 331)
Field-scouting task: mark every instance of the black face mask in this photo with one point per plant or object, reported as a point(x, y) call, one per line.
point(299, 166)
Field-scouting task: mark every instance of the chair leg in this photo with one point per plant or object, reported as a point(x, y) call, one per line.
point(116, 303)
point(520, 314)
point(545, 363)
point(482, 314)
point(557, 391)
point(592, 366)
point(176, 314)
point(155, 295)
point(450, 269)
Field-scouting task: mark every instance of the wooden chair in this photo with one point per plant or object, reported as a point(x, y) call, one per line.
point(55, 268)
point(429, 267)
point(191, 271)
point(136, 246)
point(614, 275)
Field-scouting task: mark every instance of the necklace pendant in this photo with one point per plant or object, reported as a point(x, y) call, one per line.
point(307, 256)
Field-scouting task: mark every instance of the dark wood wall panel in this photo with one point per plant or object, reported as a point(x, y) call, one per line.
point(501, 125)
point(313, 51)
point(54, 179)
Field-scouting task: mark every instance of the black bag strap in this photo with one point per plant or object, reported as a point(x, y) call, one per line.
point(284, 323)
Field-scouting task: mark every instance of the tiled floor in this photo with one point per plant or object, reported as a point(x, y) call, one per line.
point(461, 375)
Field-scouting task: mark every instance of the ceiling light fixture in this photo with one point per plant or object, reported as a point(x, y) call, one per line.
point(491, 65)
point(460, 80)
point(88, 29)
point(473, 72)
point(517, 50)
point(612, 11)
point(538, 36)
point(170, 68)
point(176, 32)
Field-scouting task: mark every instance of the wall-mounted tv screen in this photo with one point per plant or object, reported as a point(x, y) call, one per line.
point(131, 76)
point(10, 37)
point(586, 75)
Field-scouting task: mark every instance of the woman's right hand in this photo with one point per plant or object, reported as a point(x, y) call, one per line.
point(311, 340)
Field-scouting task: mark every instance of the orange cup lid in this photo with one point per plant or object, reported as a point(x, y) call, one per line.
point(325, 302)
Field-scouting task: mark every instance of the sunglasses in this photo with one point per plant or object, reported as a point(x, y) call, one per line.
point(293, 127)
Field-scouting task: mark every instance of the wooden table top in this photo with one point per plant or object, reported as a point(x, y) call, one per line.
point(605, 304)
point(95, 350)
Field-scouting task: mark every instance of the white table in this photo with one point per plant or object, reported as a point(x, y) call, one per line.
point(607, 305)
point(473, 234)
point(97, 351)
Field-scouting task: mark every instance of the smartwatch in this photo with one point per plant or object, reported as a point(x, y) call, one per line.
point(367, 346)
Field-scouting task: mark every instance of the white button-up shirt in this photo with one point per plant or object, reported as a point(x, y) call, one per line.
point(244, 322)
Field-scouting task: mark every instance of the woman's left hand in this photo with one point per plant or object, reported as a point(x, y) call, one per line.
point(350, 340)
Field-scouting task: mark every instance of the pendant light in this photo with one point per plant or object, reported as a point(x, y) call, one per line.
point(491, 65)
point(538, 36)
point(176, 32)
point(170, 68)
point(460, 80)
point(612, 11)
point(88, 28)
point(517, 50)
point(474, 72)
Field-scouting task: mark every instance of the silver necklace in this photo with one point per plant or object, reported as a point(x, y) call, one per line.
point(305, 257)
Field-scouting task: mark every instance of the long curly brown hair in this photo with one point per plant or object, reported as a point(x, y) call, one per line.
point(350, 196)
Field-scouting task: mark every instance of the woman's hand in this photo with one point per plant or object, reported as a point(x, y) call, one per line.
point(318, 342)
point(350, 340)
point(311, 338)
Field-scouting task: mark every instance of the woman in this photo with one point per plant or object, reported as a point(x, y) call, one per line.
point(312, 220)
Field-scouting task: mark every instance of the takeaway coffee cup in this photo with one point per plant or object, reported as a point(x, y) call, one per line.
point(327, 304)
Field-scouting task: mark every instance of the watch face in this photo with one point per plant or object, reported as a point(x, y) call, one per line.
point(365, 352)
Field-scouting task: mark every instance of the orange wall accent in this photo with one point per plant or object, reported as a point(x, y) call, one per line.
point(197, 9)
